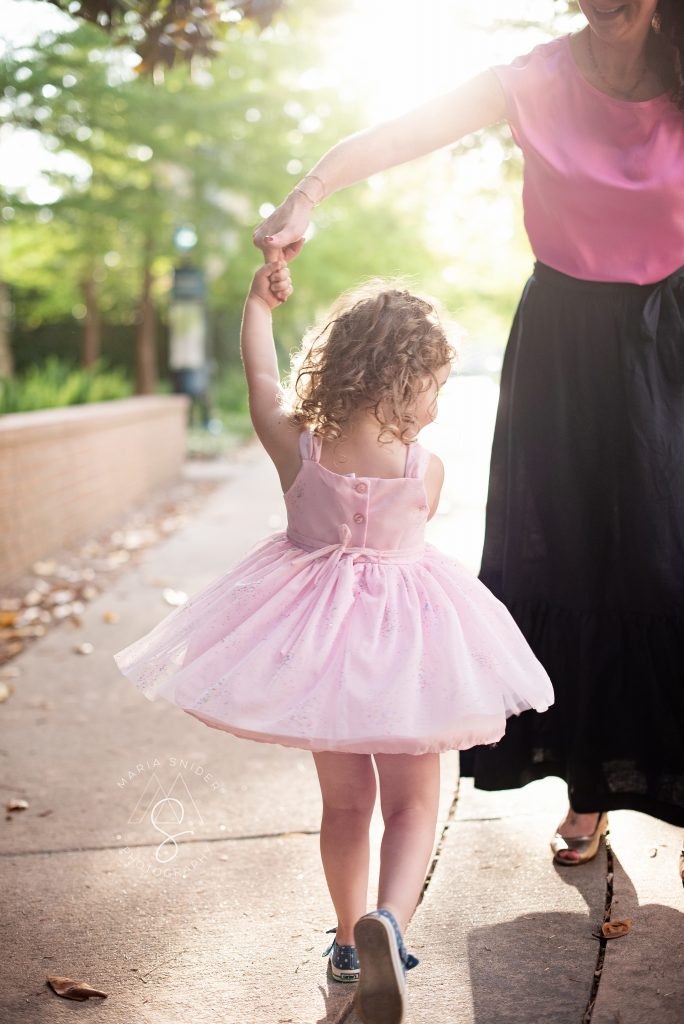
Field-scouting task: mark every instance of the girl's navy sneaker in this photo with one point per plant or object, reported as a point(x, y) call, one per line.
point(381, 995)
point(344, 961)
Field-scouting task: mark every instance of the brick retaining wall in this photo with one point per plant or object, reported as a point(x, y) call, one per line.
point(66, 472)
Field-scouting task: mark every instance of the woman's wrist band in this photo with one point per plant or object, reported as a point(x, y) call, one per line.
point(311, 177)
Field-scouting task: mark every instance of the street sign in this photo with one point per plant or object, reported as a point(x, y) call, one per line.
point(189, 284)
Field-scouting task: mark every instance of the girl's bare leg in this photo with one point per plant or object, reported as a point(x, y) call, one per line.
point(348, 789)
point(409, 798)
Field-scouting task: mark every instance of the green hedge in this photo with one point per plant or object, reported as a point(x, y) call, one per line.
point(58, 382)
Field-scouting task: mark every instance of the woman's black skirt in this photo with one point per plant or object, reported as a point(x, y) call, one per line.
point(584, 539)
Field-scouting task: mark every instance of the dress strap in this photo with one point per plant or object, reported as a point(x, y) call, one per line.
point(309, 446)
point(417, 461)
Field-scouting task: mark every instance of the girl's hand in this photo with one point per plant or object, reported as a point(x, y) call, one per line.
point(272, 284)
point(285, 227)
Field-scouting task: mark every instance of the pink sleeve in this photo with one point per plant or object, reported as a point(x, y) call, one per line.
point(526, 83)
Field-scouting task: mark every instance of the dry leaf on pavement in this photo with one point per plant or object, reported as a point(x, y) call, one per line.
point(15, 804)
point(616, 929)
point(70, 989)
point(6, 691)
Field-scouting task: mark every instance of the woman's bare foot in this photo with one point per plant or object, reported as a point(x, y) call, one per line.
point(574, 826)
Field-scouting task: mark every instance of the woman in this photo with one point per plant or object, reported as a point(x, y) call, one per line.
point(584, 534)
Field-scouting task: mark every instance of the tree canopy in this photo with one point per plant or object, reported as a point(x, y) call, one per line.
point(212, 145)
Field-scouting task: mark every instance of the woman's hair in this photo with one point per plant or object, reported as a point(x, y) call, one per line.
point(669, 24)
point(377, 349)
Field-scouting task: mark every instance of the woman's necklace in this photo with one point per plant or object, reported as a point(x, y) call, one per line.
point(623, 93)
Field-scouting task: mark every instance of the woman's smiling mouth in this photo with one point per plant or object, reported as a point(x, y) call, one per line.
point(606, 13)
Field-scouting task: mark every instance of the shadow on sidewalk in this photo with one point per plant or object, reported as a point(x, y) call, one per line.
point(538, 968)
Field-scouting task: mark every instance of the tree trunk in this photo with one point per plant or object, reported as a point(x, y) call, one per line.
point(92, 335)
point(145, 350)
point(6, 358)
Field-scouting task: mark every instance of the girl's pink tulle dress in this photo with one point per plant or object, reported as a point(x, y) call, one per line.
point(346, 632)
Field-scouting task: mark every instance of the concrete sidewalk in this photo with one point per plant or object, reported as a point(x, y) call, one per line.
point(229, 925)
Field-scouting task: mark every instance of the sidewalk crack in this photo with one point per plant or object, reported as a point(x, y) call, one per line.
point(440, 844)
point(151, 845)
point(601, 955)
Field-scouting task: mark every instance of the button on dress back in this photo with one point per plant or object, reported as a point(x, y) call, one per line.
point(381, 514)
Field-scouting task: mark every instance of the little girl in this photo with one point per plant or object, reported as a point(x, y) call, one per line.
point(347, 634)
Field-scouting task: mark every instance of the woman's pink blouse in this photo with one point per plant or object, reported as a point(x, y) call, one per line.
point(603, 191)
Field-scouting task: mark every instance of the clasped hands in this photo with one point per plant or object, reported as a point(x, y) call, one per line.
point(281, 237)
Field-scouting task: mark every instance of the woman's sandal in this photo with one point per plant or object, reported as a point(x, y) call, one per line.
point(586, 847)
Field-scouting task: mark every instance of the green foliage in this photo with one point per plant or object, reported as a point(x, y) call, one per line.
point(212, 145)
point(164, 32)
point(229, 391)
point(59, 383)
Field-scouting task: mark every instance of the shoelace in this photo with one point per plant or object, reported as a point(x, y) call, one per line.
point(329, 950)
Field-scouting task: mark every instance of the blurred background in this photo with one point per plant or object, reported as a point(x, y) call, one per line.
point(141, 143)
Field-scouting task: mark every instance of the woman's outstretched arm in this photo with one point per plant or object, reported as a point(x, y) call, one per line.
point(439, 122)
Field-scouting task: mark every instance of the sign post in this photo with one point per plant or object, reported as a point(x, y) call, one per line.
point(188, 329)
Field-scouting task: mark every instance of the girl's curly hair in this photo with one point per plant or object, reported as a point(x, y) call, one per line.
point(669, 25)
point(377, 350)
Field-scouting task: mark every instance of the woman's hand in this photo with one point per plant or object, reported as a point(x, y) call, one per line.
point(272, 284)
point(284, 229)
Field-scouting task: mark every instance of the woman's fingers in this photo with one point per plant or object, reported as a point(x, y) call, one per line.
point(272, 254)
point(285, 227)
point(293, 249)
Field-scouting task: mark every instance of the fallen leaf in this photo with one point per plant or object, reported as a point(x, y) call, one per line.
point(70, 989)
point(27, 615)
point(616, 929)
point(15, 804)
point(42, 703)
point(6, 691)
point(62, 611)
point(45, 568)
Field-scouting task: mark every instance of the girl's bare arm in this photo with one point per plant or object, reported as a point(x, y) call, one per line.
point(270, 287)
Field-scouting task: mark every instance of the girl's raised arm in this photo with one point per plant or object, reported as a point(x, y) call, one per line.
point(437, 123)
point(270, 287)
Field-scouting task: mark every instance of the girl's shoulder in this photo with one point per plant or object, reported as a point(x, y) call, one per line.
point(421, 461)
